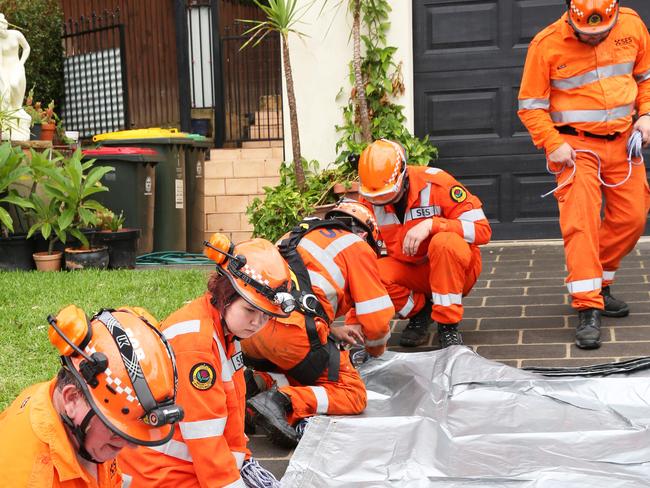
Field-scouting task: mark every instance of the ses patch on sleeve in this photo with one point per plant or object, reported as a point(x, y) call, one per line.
point(202, 376)
point(458, 194)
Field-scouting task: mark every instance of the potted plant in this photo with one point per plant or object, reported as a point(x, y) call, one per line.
point(15, 250)
point(122, 242)
point(35, 111)
point(49, 120)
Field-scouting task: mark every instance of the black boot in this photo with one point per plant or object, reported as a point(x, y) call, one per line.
point(417, 330)
point(271, 408)
point(588, 330)
point(448, 335)
point(613, 306)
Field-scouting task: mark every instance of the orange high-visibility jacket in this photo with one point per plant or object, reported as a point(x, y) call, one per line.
point(35, 451)
point(343, 272)
point(432, 194)
point(595, 89)
point(209, 446)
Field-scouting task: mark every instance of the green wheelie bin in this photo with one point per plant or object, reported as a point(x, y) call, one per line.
point(195, 157)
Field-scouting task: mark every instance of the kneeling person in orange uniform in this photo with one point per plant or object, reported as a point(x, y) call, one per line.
point(335, 260)
point(432, 227)
point(209, 449)
point(116, 388)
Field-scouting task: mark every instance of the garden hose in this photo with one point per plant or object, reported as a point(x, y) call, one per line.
point(172, 257)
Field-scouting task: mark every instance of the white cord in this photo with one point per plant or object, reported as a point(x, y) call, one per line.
point(634, 150)
point(255, 476)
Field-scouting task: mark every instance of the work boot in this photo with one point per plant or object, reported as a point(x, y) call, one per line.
point(271, 408)
point(588, 329)
point(613, 306)
point(448, 335)
point(417, 330)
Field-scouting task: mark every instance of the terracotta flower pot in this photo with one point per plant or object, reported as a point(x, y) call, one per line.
point(47, 132)
point(351, 192)
point(48, 262)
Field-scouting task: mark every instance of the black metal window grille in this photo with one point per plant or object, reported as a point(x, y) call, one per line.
point(94, 69)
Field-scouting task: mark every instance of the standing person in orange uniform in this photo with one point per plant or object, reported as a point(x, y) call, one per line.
point(335, 261)
point(252, 283)
point(432, 227)
point(585, 77)
point(116, 389)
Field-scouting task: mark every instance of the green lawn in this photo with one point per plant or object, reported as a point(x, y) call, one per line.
point(26, 298)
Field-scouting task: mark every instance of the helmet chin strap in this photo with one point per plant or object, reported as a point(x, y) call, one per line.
point(79, 432)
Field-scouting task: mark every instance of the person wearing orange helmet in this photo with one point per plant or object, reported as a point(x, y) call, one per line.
point(299, 372)
point(116, 388)
point(209, 449)
point(585, 100)
point(431, 226)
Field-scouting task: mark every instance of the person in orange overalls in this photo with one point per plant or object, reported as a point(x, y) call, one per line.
point(310, 374)
point(584, 81)
point(209, 449)
point(431, 226)
point(116, 388)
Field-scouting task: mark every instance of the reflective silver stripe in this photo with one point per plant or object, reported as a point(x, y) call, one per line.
point(408, 306)
point(373, 305)
point(472, 215)
point(175, 449)
point(201, 429)
point(190, 326)
point(572, 116)
point(579, 286)
point(323, 283)
point(447, 300)
point(425, 195)
point(609, 275)
point(641, 77)
point(383, 217)
point(239, 458)
point(126, 480)
point(322, 401)
point(236, 484)
point(378, 342)
point(433, 171)
point(534, 104)
point(469, 231)
point(226, 366)
point(280, 379)
point(326, 256)
point(594, 75)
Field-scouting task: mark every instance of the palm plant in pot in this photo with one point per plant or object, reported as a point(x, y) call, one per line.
point(15, 250)
point(122, 242)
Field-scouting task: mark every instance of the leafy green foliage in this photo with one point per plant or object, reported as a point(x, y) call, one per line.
point(41, 23)
point(12, 170)
point(26, 355)
point(285, 205)
point(281, 16)
point(383, 82)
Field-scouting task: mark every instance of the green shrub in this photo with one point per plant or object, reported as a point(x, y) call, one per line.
point(41, 23)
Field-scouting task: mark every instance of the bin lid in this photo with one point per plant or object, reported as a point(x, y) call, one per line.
point(198, 140)
point(124, 153)
point(150, 135)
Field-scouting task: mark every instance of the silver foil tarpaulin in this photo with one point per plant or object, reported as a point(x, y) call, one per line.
point(453, 419)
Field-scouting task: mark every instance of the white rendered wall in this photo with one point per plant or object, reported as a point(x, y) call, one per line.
point(320, 69)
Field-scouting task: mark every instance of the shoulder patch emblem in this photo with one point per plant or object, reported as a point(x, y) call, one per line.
point(202, 376)
point(458, 194)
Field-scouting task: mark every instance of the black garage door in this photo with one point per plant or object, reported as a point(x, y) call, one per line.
point(468, 59)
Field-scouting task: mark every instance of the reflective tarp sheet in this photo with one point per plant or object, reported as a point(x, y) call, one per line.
point(451, 418)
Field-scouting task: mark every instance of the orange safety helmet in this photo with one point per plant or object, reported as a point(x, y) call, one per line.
point(590, 17)
point(257, 271)
point(382, 171)
point(360, 215)
point(126, 370)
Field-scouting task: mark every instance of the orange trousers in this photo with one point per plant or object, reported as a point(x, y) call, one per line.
point(594, 246)
point(452, 268)
point(347, 396)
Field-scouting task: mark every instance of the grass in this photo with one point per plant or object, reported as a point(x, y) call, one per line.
point(26, 299)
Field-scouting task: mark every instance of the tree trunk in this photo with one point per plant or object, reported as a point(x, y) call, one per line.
point(359, 86)
point(293, 117)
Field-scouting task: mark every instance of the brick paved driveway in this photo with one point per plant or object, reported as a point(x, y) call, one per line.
point(519, 314)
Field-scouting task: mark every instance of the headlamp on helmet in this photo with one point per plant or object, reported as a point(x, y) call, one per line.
point(592, 17)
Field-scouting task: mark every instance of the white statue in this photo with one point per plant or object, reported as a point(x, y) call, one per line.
point(12, 81)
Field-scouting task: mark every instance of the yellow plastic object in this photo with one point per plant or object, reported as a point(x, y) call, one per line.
point(151, 133)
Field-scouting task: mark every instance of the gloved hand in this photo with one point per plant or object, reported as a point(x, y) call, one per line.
point(73, 322)
point(221, 242)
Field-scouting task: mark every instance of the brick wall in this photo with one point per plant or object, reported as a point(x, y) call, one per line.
point(233, 178)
